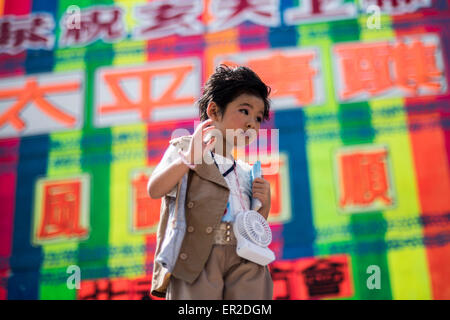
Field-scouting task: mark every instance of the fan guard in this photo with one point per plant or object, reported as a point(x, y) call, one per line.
point(253, 227)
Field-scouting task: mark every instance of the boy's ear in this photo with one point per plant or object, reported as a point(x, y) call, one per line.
point(213, 111)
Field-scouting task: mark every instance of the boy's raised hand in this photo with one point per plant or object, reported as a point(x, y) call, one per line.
point(197, 141)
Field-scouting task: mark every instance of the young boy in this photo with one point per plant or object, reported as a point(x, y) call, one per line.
point(203, 188)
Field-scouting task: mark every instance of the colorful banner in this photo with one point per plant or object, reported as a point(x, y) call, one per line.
point(90, 94)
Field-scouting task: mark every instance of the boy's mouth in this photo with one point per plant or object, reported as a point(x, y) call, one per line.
point(249, 136)
point(245, 133)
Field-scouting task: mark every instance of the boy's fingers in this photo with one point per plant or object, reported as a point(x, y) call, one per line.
point(260, 187)
point(206, 122)
point(208, 129)
point(259, 182)
point(210, 144)
point(260, 191)
point(256, 187)
point(258, 196)
point(205, 134)
point(203, 124)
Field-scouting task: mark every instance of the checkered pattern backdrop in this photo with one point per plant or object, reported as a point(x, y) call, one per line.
point(90, 93)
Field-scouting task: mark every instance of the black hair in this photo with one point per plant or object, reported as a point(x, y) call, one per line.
point(227, 83)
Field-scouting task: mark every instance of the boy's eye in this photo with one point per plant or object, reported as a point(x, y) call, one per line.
point(246, 112)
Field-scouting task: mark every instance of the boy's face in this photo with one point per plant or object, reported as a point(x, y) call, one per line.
point(245, 112)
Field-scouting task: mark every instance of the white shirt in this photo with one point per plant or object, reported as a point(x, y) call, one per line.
point(243, 171)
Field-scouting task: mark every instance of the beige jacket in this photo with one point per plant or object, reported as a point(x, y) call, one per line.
point(205, 201)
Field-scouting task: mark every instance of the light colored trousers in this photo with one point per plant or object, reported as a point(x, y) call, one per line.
point(226, 276)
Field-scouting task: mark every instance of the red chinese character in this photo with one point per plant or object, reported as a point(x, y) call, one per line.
point(37, 94)
point(275, 208)
point(229, 14)
point(312, 278)
point(284, 279)
point(325, 277)
point(415, 67)
point(139, 288)
point(62, 211)
point(146, 77)
point(376, 68)
point(164, 18)
point(365, 68)
point(319, 9)
point(288, 75)
point(103, 289)
point(97, 23)
point(146, 209)
point(396, 6)
point(30, 32)
point(116, 289)
point(364, 178)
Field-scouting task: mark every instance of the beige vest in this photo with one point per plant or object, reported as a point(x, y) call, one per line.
point(206, 200)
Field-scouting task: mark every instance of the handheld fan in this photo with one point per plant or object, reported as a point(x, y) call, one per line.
point(253, 235)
